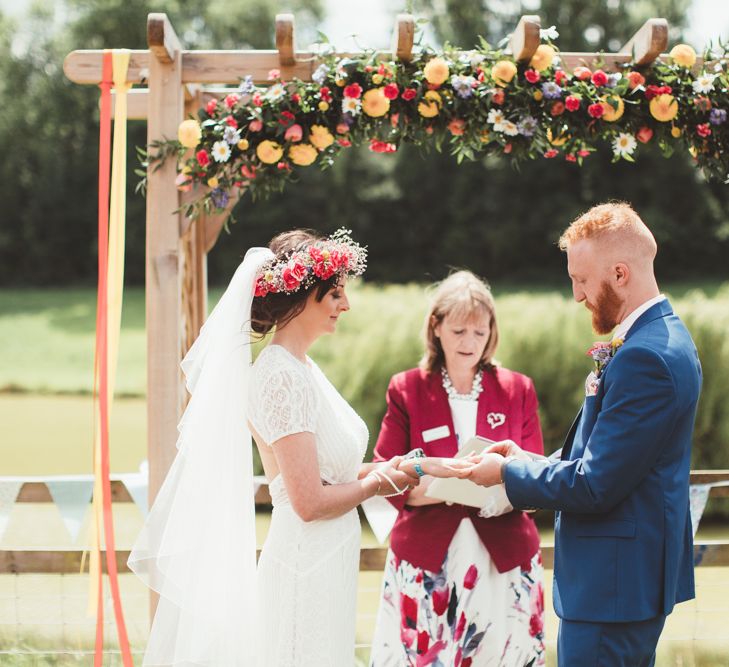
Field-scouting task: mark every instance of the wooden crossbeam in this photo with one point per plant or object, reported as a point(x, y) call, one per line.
point(403, 37)
point(525, 39)
point(708, 553)
point(649, 42)
point(161, 38)
point(285, 39)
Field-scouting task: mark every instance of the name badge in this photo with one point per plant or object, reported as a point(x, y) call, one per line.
point(436, 433)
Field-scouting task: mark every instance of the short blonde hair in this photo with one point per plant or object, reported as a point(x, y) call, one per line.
point(613, 219)
point(463, 296)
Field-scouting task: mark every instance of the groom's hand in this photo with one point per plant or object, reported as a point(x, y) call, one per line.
point(508, 448)
point(486, 471)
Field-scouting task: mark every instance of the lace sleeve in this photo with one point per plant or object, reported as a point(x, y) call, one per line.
point(283, 403)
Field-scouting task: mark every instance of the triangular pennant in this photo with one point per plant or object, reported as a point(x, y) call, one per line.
point(9, 490)
point(698, 495)
point(137, 484)
point(72, 498)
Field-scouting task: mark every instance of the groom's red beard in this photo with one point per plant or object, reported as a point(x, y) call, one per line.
point(605, 310)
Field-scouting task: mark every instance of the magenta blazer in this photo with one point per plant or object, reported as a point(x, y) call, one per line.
point(417, 414)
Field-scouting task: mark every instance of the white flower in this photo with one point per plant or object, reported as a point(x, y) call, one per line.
point(508, 128)
point(624, 144)
point(549, 33)
point(275, 92)
point(704, 84)
point(231, 135)
point(351, 105)
point(495, 117)
point(221, 151)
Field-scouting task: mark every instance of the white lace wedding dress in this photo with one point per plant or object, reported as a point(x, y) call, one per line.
point(307, 572)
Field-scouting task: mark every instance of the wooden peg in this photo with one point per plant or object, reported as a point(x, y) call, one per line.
point(649, 42)
point(403, 37)
point(525, 39)
point(285, 39)
point(161, 38)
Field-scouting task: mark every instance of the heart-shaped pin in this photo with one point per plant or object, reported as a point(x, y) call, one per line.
point(495, 419)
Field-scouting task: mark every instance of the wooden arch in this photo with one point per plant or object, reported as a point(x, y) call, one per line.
point(177, 83)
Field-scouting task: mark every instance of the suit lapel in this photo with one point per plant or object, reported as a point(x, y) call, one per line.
point(567, 447)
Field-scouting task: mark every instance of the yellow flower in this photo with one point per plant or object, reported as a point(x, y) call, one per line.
point(213, 182)
point(377, 79)
point(269, 151)
point(675, 132)
point(320, 137)
point(243, 144)
point(538, 95)
point(664, 107)
point(189, 133)
point(323, 106)
point(340, 82)
point(303, 154)
point(611, 113)
point(503, 72)
point(430, 106)
point(559, 140)
point(683, 55)
point(543, 57)
point(485, 136)
point(436, 71)
point(374, 103)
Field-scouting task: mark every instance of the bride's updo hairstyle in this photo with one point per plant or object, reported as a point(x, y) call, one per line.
point(279, 308)
point(465, 298)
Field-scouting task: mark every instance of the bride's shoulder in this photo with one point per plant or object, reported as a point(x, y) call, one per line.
point(274, 359)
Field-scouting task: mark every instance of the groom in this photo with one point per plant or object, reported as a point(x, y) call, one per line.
point(623, 541)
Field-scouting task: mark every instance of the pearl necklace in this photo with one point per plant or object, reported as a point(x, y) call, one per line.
point(476, 388)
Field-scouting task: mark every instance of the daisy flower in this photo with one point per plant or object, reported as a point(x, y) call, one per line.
point(704, 84)
point(495, 117)
point(275, 92)
point(509, 128)
point(221, 151)
point(624, 144)
point(351, 105)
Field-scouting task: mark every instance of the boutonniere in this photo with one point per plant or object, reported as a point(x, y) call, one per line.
point(602, 353)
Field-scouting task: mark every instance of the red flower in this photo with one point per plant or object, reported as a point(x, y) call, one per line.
point(293, 274)
point(703, 130)
point(211, 106)
point(635, 79)
point(582, 73)
point(467, 662)
point(203, 159)
point(231, 99)
point(344, 143)
point(460, 627)
point(560, 77)
point(248, 172)
point(469, 580)
point(391, 91)
point(325, 94)
point(419, 577)
point(557, 109)
point(440, 601)
point(536, 625)
point(257, 99)
point(408, 611)
point(498, 96)
point(296, 98)
point(508, 147)
point(261, 287)
point(570, 157)
point(377, 146)
point(654, 91)
point(423, 642)
point(599, 78)
point(582, 153)
point(572, 103)
point(409, 94)
point(229, 120)
point(286, 118)
point(353, 90)
point(551, 153)
point(532, 76)
point(644, 134)
point(283, 166)
point(596, 110)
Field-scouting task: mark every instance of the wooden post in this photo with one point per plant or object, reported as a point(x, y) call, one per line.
point(165, 392)
point(285, 39)
point(525, 39)
point(649, 42)
point(403, 37)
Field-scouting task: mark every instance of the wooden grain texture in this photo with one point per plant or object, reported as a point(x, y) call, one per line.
point(161, 38)
point(649, 42)
point(285, 39)
point(525, 39)
point(403, 37)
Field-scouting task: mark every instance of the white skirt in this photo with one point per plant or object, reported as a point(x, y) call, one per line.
point(467, 615)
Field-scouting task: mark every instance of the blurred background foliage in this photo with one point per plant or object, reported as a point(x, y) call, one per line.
point(418, 214)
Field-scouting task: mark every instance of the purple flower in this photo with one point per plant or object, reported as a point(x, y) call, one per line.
point(246, 86)
point(717, 116)
point(320, 74)
point(219, 197)
point(527, 126)
point(463, 85)
point(551, 90)
point(613, 79)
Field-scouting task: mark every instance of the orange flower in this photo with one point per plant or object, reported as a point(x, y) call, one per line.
point(436, 71)
point(430, 106)
point(683, 55)
point(503, 72)
point(303, 154)
point(269, 151)
point(612, 113)
point(374, 103)
point(320, 137)
point(664, 107)
point(543, 57)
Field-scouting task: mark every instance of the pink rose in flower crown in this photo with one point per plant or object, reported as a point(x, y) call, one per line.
point(293, 275)
point(261, 287)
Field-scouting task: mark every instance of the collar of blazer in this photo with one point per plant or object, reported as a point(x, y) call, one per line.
point(661, 309)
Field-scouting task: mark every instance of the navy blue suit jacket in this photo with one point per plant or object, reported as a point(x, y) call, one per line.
point(623, 541)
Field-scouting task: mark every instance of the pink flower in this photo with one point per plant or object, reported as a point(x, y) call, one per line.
point(377, 146)
point(409, 94)
point(508, 148)
point(440, 601)
point(498, 96)
point(344, 143)
point(557, 109)
point(596, 110)
point(572, 103)
point(599, 78)
point(583, 152)
point(211, 106)
point(232, 122)
point(203, 159)
point(248, 172)
point(560, 78)
point(325, 94)
point(532, 76)
point(644, 134)
point(703, 130)
point(294, 133)
point(551, 153)
point(255, 125)
point(457, 127)
point(570, 157)
point(342, 128)
point(231, 99)
point(460, 627)
point(257, 99)
point(274, 74)
point(293, 275)
point(183, 182)
point(469, 580)
point(353, 90)
point(391, 91)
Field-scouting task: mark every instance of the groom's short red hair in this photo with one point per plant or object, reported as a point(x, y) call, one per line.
point(617, 219)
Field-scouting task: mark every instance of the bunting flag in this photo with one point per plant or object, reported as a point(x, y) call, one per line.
point(9, 490)
point(108, 323)
point(72, 497)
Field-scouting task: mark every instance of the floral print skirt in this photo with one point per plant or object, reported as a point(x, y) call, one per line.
point(467, 615)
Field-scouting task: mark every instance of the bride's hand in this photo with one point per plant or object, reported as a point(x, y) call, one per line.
point(436, 466)
point(394, 480)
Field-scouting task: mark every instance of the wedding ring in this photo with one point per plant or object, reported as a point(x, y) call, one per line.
point(418, 469)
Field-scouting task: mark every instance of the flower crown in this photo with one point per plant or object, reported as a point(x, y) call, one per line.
point(319, 261)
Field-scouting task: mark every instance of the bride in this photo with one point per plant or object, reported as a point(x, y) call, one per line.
point(197, 548)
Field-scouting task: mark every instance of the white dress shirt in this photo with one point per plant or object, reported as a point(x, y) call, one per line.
point(629, 321)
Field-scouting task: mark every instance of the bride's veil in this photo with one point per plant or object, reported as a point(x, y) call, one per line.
point(197, 547)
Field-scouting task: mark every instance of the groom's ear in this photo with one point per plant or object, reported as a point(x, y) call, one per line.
point(621, 274)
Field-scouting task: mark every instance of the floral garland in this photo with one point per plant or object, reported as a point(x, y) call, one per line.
point(319, 261)
point(480, 102)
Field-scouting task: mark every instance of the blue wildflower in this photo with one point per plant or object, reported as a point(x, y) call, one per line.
point(463, 85)
point(219, 197)
point(527, 126)
point(246, 86)
point(717, 116)
point(231, 135)
point(551, 90)
point(320, 74)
